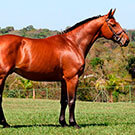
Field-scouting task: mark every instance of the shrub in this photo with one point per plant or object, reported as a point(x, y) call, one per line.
point(12, 94)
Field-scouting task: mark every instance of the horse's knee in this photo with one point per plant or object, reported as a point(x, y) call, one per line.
point(64, 103)
point(71, 102)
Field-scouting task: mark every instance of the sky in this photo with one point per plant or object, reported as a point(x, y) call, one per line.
point(58, 14)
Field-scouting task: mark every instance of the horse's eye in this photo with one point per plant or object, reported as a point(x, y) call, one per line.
point(113, 25)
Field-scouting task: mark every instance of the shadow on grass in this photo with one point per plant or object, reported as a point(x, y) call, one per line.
point(90, 125)
point(81, 125)
point(36, 125)
point(52, 125)
point(107, 124)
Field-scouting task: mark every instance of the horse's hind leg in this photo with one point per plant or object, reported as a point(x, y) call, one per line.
point(63, 102)
point(2, 117)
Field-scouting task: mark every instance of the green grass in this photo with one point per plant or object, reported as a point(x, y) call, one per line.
point(40, 117)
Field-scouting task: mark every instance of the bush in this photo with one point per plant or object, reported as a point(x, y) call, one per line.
point(12, 94)
point(131, 66)
point(96, 61)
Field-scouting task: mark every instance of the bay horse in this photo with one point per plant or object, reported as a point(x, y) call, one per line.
point(57, 58)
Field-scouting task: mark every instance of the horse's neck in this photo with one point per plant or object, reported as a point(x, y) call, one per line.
point(84, 36)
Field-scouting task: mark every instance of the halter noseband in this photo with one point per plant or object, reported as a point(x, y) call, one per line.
point(116, 36)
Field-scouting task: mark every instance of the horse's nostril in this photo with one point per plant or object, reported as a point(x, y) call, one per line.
point(126, 43)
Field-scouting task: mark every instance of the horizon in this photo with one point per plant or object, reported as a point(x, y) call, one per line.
point(50, 29)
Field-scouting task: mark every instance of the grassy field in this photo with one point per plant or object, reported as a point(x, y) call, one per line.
point(40, 117)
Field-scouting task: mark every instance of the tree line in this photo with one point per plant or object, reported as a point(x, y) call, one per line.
point(28, 31)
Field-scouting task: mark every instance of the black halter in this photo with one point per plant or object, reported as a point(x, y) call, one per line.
point(116, 36)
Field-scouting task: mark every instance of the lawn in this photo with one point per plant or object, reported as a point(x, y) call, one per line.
point(40, 117)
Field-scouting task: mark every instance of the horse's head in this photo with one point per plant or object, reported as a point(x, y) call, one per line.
point(112, 30)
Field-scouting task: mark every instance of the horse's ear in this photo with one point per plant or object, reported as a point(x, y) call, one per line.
point(109, 14)
point(113, 11)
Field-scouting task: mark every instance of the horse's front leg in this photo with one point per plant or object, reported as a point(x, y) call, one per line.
point(71, 91)
point(63, 102)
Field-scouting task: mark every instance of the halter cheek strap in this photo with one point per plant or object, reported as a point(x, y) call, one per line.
point(116, 36)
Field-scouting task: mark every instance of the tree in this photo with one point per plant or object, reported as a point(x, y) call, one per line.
point(131, 66)
point(133, 36)
point(29, 28)
point(7, 30)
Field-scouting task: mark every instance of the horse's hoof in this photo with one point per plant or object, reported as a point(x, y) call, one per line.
point(63, 123)
point(75, 125)
point(6, 125)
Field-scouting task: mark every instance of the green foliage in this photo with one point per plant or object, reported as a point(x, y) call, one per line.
point(29, 28)
point(26, 84)
point(131, 66)
point(133, 36)
point(11, 94)
point(132, 44)
point(84, 94)
point(131, 62)
point(112, 81)
point(96, 61)
point(116, 96)
point(28, 31)
point(6, 30)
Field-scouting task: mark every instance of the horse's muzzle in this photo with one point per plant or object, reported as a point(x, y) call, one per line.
point(126, 43)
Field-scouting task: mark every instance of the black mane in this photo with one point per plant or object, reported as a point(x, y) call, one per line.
point(80, 23)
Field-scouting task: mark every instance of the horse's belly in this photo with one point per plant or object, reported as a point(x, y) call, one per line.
point(40, 76)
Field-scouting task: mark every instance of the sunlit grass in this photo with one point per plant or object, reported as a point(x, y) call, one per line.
point(40, 117)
